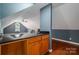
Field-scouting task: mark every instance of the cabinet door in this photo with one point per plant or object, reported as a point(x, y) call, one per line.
point(0, 49)
point(34, 48)
point(14, 48)
point(25, 47)
point(45, 44)
point(19, 48)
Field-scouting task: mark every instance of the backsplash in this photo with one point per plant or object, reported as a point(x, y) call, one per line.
point(10, 32)
point(11, 28)
point(70, 35)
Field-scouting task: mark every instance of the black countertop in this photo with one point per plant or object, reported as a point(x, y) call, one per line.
point(7, 39)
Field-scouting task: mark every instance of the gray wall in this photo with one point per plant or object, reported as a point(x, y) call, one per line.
point(66, 22)
point(32, 19)
point(31, 15)
point(66, 16)
point(70, 35)
point(0, 25)
point(45, 16)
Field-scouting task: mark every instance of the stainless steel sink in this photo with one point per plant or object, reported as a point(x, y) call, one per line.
point(16, 35)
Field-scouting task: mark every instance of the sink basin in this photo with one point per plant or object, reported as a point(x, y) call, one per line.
point(16, 35)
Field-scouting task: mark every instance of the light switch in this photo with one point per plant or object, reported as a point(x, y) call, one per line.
point(70, 38)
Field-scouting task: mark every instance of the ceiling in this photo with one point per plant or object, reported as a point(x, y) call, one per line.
point(35, 9)
point(9, 9)
point(55, 5)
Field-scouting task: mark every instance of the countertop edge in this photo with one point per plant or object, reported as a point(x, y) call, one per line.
point(21, 39)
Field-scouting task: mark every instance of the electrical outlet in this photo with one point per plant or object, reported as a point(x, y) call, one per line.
point(70, 38)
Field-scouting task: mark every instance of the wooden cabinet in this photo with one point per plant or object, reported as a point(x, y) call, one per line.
point(13, 48)
point(25, 47)
point(34, 45)
point(45, 44)
point(30, 46)
point(34, 48)
point(0, 49)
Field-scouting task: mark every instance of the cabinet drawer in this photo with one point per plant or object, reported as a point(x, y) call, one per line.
point(34, 39)
point(45, 36)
